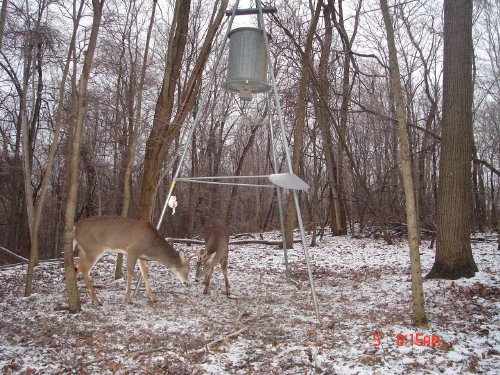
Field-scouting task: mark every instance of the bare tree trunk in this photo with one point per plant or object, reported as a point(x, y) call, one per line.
point(192, 187)
point(74, 299)
point(479, 196)
point(344, 108)
point(290, 218)
point(133, 142)
point(324, 126)
point(3, 16)
point(423, 199)
point(137, 122)
point(234, 190)
point(153, 158)
point(25, 144)
point(417, 289)
point(165, 129)
point(50, 161)
point(317, 86)
point(315, 197)
point(454, 207)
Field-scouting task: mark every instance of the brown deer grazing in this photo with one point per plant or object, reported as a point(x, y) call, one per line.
point(216, 237)
point(138, 239)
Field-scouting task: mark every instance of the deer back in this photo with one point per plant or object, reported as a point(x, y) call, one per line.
point(97, 235)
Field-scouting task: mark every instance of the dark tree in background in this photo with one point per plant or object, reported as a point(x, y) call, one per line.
point(454, 207)
point(337, 103)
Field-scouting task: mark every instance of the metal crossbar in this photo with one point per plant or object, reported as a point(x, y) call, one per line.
point(280, 180)
point(200, 181)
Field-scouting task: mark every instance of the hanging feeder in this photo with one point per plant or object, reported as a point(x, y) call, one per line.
point(247, 65)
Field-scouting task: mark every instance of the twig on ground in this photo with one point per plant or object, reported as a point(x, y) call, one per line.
point(94, 361)
point(207, 346)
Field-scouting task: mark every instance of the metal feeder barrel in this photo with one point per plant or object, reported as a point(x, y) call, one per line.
point(247, 65)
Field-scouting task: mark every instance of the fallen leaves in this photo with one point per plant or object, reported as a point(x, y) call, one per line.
point(270, 327)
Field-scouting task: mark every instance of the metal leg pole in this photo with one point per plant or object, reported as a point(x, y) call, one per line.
point(199, 113)
point(306, 253)
point(282, 222)
point(278, 191)
point(288, 157)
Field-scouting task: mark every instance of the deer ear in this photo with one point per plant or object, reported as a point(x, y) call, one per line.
point(182, 256)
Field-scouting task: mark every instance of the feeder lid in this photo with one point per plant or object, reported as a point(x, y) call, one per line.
point(288, 181)
point(255, 86)
point(248, 28)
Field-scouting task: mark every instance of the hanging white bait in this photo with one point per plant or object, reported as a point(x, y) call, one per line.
point(172, 203)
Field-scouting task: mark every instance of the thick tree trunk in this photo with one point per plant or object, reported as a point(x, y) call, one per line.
point(153, 158)
point(454, 207)
point(417, 288)
point(165, 129)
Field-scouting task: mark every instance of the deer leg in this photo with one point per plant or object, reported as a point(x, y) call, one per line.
point(208, 275)
point(90, 287)
point(144, 270)
point(131, 261)
point(84, 265)
point(223, 264)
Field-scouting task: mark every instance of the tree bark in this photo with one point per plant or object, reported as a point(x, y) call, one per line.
point(417, 288)
point(133, 140)
point(454, 258)
point(315, 197)
point(165, 129)
point(241, 160)
point(324, 125)
point(3, 16)
point(344, 108)
point(290, 218)
point(25, 145)
point(50, 161)
point(321, 95)
point(70, 272)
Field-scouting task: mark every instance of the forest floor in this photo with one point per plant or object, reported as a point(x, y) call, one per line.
point(268, 326)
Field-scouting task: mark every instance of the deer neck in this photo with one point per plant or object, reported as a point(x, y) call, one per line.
point(164, 253)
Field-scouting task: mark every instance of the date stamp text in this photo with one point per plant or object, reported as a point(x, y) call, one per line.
point(411, 339)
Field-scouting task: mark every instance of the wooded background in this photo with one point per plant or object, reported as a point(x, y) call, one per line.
point(331, 63)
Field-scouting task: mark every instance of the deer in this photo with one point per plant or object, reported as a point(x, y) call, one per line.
point(216, 236)
point(138, 239)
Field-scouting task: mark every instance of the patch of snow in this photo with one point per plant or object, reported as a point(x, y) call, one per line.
point(268, 325)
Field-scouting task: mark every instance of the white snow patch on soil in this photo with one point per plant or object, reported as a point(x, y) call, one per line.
point(268, 325)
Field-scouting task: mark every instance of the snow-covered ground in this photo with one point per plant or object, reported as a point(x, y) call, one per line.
point(268, 326)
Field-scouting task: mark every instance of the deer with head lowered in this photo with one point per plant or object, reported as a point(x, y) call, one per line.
point(216, 237)
point(138, 239)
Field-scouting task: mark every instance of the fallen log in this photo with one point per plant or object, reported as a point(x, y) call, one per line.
point(231, 242)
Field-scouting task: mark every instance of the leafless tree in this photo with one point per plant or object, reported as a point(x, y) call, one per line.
point(74, 299)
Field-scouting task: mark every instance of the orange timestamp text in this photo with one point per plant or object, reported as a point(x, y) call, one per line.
point(412, 339)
